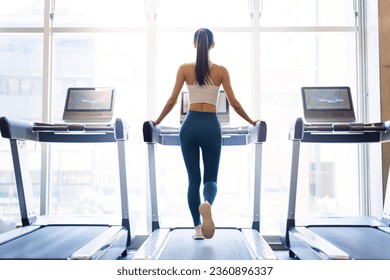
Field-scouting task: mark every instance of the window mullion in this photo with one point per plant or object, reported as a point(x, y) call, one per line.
point(255, 14)
point(46, 105)
point(151, 14)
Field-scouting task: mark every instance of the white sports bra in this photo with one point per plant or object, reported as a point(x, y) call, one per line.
point(208, 93)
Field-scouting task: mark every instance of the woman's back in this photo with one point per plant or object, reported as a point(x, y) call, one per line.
point(203, 98)
point(216, 73)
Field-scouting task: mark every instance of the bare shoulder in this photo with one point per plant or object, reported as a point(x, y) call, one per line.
point(186, 66)
point(219, 68)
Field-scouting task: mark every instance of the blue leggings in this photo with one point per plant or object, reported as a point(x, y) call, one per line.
point(201, 130)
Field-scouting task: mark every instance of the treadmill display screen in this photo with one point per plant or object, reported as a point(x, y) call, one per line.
point(89, 105)
point(89, 100)
point(328, 104)
point(327, 99)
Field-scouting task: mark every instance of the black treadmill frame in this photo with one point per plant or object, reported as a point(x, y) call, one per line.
point(302, 242)
point(20, 131)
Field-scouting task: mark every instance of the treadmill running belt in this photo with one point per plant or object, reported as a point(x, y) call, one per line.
point(227, 244)
point(361, 243)
point(50, 242)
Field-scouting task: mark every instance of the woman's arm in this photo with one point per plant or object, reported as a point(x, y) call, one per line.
point(232, 98)
point(171, 102)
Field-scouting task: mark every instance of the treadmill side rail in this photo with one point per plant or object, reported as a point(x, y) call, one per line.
point(153, 245)
point(258, 247)
point(15, 233)
point(385, 229)
point(302, 238)
point(106, 246)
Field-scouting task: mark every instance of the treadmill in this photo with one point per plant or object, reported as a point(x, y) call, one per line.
point(334, 238)
point(64, 238)
point(227, 243)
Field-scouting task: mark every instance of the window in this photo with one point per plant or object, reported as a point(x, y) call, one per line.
point(23, 13)
point(295, 52)
point(105, 14)
point(20, 90)
point(271, 49)
point(179, 14)
point(88, 174)
point(307, 13)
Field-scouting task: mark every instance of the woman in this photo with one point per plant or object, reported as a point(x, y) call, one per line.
point(201, 129)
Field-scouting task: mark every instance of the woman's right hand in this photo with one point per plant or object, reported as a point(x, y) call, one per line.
point(255, 122)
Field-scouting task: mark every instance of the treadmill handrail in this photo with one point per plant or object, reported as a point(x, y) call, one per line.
point(75, 133)
point(254, 134)
point(17, 129)
point(340, 132)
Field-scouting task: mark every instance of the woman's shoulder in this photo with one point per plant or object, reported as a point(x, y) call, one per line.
point(218, 66)
point(187, 67)
point(213, 65)
point(188, 64)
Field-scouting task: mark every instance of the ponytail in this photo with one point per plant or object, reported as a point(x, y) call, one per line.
point(203, 39)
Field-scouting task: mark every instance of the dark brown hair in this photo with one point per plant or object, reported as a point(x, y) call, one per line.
point(203, 38)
